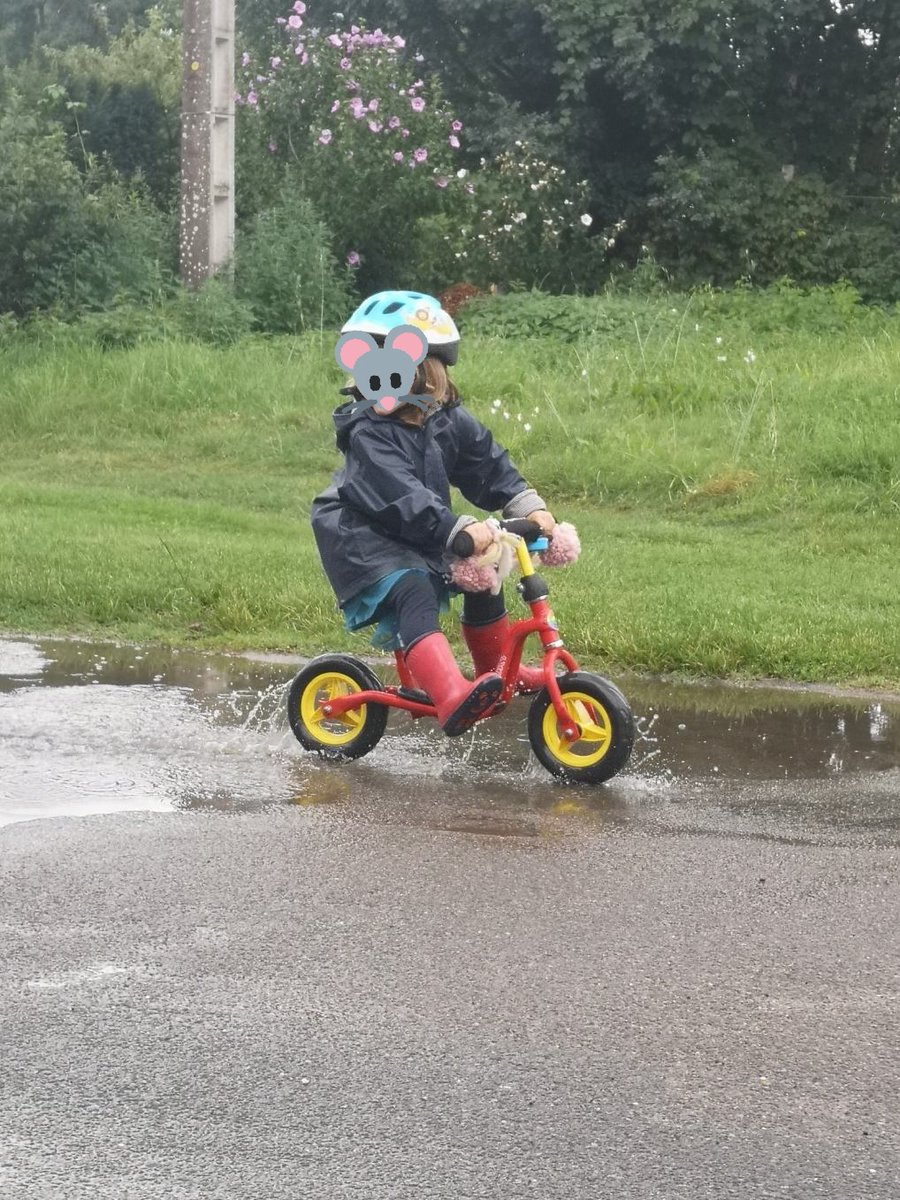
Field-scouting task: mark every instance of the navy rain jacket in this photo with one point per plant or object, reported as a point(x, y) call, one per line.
point(388, 507)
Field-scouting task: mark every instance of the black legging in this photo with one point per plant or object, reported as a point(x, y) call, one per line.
point(415, 599)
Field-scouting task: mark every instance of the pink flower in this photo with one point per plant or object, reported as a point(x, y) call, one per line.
point(470, 188)
point(442, 181)
point(415, 85)
point(245, 59)
point(335, 106)
point(404, 133)
point(393, 123)
point(325, 136)
point(357, 107)
point(272, 147)
point(399, 42)
point(454, 141)
point(334, 39)
point(276, 62)
point(294, 22)
point(353, 259)
point(344, 64)
point(252, 98)
point(456, 126)
point(420, 155)
point(373, 106)
point(399, 156)
point(417, 104)
point(299, 7)
point(376, 126)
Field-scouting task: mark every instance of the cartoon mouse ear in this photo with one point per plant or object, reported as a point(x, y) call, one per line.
point(351, 347)
point(408, 340)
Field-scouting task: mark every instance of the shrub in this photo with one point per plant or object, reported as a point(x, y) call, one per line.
point(212, 314)
point(127, 325)
point(72, 242)
point(286, 271)
point(722, 216)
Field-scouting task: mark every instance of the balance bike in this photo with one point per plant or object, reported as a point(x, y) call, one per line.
point(580, 725)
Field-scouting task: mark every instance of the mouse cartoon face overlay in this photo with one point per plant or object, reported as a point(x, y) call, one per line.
point(385, 374)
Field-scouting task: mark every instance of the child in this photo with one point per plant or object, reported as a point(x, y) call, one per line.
point(385, 530)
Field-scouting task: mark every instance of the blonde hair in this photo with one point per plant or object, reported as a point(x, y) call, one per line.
point(432, 380)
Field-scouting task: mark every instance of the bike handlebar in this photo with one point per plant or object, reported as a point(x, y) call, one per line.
point(463, 545)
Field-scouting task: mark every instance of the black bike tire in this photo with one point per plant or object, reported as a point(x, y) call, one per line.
point(376, 715)
point(617, 708)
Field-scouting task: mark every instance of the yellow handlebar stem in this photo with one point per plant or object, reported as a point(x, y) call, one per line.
point(526, 566)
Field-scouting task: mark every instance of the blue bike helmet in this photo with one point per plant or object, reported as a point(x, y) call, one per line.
point(384, 311)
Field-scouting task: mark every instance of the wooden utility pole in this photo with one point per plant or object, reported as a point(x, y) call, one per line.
point(207, 139)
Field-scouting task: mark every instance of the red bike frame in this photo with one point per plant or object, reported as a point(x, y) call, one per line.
point(542, 622)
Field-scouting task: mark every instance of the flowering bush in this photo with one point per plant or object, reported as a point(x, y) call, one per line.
point(529, 226)
point(346, 120)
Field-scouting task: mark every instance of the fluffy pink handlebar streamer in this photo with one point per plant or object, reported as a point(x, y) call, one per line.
point(472, 576)
point(564, 548)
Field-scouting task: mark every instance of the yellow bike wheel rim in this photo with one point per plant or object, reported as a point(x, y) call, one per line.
point(594, 739)
point(336, 730)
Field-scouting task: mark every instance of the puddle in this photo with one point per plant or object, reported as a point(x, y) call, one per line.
point(99, 728)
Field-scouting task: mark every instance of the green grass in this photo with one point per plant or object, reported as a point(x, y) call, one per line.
point(739, 518)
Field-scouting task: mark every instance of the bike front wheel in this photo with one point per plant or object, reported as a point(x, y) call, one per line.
point(349, 734)
point(605, 723)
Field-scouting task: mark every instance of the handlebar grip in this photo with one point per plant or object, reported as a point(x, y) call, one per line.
point(522, 528)
point(463, 545)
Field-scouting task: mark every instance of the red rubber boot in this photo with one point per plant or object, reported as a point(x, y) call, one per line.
point(487, 642)
point(459, 703)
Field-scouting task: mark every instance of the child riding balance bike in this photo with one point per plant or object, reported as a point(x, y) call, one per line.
point(394, 553)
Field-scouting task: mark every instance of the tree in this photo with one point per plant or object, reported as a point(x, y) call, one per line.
point(27, 24)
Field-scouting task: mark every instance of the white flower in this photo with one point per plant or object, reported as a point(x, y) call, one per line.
point(536, 411)
point(584, 374)
point(496, 404)
point(586, 219)
point(750, 357)
point(718, 341)
point(461, 173)
point(506, 416)
point(518, 416)
point(721, 358)
point(527, 427)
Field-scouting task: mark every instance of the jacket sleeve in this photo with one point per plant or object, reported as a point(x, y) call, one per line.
point(380, 483)
point(483, 471)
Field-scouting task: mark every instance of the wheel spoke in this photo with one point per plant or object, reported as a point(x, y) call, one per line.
point(591, 730)
point(353, 718)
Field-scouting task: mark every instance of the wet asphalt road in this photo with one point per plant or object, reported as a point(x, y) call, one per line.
point(430, 976)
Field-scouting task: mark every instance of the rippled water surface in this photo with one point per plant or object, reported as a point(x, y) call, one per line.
point(93, 728)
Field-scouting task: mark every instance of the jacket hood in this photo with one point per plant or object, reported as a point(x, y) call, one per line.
point(345, 416)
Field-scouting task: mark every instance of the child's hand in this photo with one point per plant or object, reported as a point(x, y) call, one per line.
point(544, 519)
point(483, 535)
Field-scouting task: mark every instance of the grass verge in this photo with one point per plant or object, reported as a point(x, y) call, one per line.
point(739, 517)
